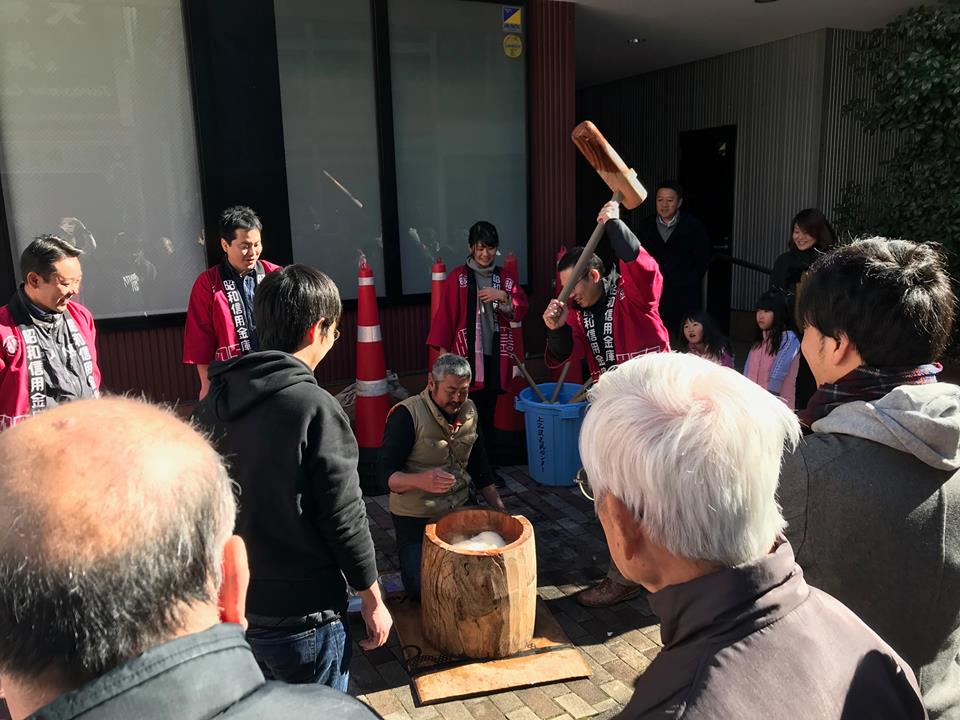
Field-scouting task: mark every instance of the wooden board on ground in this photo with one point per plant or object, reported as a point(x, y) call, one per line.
point(480, 677)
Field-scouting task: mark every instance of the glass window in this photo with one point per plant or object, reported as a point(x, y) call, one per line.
point(330, 137)
point(459, 101)
point(97, 145)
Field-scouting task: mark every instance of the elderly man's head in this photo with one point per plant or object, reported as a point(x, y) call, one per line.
point(449, 382)
point(115, 536)
point(683, 458)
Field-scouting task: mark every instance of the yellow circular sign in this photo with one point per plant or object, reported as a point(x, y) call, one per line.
point(512, 46)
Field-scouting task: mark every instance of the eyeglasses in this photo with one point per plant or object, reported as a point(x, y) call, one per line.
point(583, 482)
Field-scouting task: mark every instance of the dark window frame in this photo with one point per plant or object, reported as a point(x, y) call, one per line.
point(228, 70)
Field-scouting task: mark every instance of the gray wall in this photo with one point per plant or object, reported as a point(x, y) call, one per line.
point(794, 150)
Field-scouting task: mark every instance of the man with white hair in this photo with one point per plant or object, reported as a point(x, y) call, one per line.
point(683, 458)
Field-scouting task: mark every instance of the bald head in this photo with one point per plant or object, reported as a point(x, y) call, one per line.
point(113, 517)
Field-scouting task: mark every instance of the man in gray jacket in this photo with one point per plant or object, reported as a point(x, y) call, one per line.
point(872, 495)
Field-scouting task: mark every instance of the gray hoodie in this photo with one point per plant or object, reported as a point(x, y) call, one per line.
point(872, 499)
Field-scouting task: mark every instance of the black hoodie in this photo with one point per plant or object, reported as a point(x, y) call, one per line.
point(289, 447)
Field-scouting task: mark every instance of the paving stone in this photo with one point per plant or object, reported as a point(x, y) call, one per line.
point(365, 674)
point(506, 702)
point(549, 592)
point(380, 656)
point(393, 674)
point(618, 691)
point(427, 712)
point(555, 689)
point(573, 629)
point(575, 705)
point(598, 674)
point(384, 702)
point(653, 632)
point(483, 709)
point(541, 703)
point(454, 710)
point(601, 653)
point(622, 672)
point(607, 705)
point(399, 715)
point(588, 690)
point(523, 713)
point(640, 641)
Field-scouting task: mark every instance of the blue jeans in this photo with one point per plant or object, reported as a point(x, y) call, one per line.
point(409, 534)
point(318, 655)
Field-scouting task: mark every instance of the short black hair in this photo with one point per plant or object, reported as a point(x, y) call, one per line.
point(484, 233)
point(289, 301)
point(713, 339)
point(778, 302)
point(43, 253)
point(571, 256)
point(892, 298)
point(670, 185)
point(238, 217)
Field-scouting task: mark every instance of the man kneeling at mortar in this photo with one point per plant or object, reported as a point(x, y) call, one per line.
point(683, 458)
point(431, 452)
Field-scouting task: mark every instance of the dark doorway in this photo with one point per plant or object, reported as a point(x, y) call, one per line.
point(707, 165)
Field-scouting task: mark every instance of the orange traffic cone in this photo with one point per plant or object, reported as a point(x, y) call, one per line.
point(438, 273)
point(372, 400)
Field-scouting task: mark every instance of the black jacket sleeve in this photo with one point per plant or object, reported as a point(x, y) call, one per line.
point(481, 474)
point(625, 245)
point(560, 342)
point(330, 461)
point(399, 438)
point(700, 245)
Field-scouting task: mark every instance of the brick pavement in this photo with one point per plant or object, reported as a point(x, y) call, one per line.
point(618, 643)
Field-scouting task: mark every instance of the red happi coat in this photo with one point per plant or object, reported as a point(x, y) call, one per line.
point(637, 327)
point(449, 326)
point(14, 378)
point(210, 333)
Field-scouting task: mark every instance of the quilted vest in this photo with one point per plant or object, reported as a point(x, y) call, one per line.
point(437, 445)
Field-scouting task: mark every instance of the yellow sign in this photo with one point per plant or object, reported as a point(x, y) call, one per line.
point(512, 19)
point(512, 46)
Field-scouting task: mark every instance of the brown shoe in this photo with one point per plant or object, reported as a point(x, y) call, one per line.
point(606, 593)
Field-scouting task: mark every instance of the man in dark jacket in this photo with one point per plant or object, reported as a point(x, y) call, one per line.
point(294, 457)
point(121, 588)
point(680, 245)
point(683, 457)
point(872, 495)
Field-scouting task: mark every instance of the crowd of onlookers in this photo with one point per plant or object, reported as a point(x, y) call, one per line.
point(802, 564)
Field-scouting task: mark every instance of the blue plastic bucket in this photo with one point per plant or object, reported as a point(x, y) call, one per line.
point(553, 433)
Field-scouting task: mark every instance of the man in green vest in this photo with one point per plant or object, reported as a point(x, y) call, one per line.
point(432, 451)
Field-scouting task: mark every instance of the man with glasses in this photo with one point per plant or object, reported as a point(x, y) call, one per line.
point(432, 452)
point(48, 350)
point(294, 457)
point(610, 319)
point(684, 457)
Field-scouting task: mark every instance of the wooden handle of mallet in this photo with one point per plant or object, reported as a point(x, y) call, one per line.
point(582, 392)
point(618, 177)
point(559, 385)
point(580, 269)
point(530, 382)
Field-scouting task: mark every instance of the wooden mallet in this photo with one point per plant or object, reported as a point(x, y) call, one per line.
point(627, 190)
